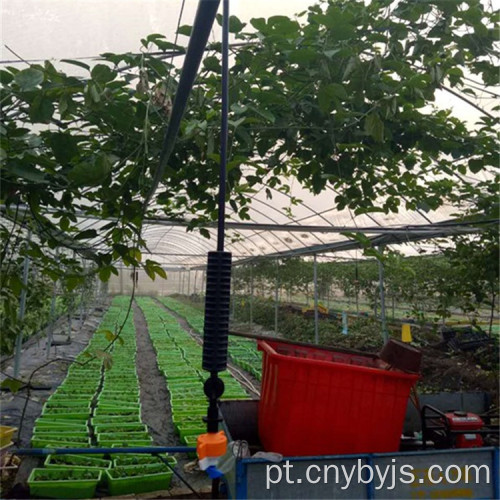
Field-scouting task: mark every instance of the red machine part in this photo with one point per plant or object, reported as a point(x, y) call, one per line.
point(463, 421)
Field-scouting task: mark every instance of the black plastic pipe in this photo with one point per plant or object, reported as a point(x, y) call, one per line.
point(150, 450)
point(224, 126)
point(202, 26)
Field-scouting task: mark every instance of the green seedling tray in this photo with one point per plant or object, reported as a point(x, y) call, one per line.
point(58, 414)
point(46, 423)
point(142, 483)
point(107, 400)
point(72, 405)
point(63, 483)
point(186, 421)
point(126, 443)
point(123, 460)
point(71, 396)
point(61, 442)
point(122, 436)
point(191, 441)
point(116, 420)
point(102, 405)
point(70, 434)
point(118, 391)
point(113, 411)
point(120, 428)
point(76, 462)
point(191, 430)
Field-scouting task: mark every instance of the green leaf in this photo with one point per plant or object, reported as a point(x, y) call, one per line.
point(91, 173)
point(235, 25)
point(107, 360)
point(476, 165)
point(333, 92)
point(29, 79)
point(102, 73)
point(212, 63)
point(374, 126)
point(72, 282)
point(12, 385)
point(205, 232)
point(161, 272)
point(104, 273)
point(76, 63)
point(41, 109)
point(302, 56)
point(264, 113)
point(185, 30)
point(110, 336)
point(64, 146)
point(28, 172)
point(150, 272)
point(87, 234)
point(283, 25)
point(94, 93)
point(5, 77)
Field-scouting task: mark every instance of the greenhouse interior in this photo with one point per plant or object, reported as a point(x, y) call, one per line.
point(249, 250)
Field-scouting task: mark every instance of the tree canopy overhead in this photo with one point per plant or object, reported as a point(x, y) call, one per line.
point(343, 95)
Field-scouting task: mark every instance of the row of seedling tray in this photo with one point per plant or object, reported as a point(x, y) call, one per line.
point(97, 407)
point(179, 356)
point(243, 352)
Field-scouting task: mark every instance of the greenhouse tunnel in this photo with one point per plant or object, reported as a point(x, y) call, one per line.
point(206, 278)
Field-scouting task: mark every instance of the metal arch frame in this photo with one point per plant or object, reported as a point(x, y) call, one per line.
point(380, 240)
point(268, 205)
point(263, 214)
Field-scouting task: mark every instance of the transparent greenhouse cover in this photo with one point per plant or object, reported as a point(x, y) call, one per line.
point(81, 28)
point(279, 229)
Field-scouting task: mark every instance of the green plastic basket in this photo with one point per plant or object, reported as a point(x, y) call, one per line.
point(145, 482)
point(122, 460)
point(76, 462)
point(63, 483)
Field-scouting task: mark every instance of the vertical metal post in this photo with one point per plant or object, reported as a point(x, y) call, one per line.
point(276, 299)
point(316, 318)
point(251, 297)
point(203, 276)
point(22, 310)
point(82, 298)
point(233, 296)
point(70, 311)
point(382, 300)
point(179, 281)
point(345, 327)
point(50, 333)
point(195, 278)
point(183, 281)
point(189, 282)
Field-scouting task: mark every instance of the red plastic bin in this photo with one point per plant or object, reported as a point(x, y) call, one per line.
point(319, 402)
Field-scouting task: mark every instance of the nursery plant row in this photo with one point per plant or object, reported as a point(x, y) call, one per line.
point(100, 407)
point(179, 356)
point(242, 352)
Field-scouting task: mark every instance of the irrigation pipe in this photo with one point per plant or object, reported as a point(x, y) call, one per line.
point(147, 450)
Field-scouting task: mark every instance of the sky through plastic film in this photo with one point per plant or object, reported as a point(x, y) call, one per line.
point(58, 29)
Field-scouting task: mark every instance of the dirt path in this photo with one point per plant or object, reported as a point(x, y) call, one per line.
point(155, 398)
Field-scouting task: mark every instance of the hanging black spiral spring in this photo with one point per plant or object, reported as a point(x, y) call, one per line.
point(217, 302)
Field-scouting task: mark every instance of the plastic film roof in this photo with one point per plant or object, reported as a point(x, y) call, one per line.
point(278, 228)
